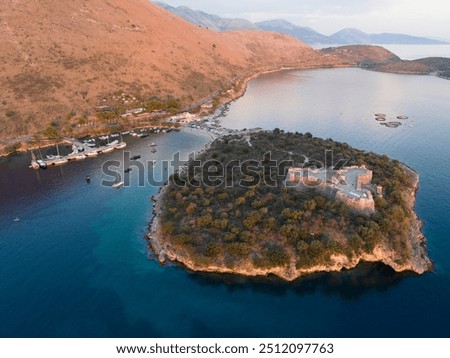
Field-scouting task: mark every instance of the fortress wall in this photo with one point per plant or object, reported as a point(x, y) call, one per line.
point(361, 205)
point(364, 179)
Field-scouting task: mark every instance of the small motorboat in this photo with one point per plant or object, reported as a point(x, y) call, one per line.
point(135, 157)
point(34, 165)
point(121, 145)
point(41, 163)
point(118, 185)
point(16, 219)
point(152, 145)
point(88, 179)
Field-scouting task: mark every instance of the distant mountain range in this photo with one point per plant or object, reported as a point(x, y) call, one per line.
point(212, 22)
point(305, 34)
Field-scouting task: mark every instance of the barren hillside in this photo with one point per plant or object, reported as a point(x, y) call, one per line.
point(58, 59)
point(379, 59)
point(361, 55)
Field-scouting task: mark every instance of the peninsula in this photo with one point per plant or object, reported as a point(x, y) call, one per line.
point(238, 208)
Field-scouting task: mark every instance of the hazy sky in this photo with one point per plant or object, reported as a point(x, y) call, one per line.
point(416, 17)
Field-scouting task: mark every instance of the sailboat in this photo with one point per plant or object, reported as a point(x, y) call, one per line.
point(58, 160)
point(75, 155)
point(121, 144)
point(34, 164)
point(42, 164)
point(110, 146)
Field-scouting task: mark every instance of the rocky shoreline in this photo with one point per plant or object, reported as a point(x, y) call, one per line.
point(419, 263)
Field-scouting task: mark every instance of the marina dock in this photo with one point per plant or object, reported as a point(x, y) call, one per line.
point(80, 151)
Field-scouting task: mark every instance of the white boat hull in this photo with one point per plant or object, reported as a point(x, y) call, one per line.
point(121, 145)
point(117, 185)
point(58, 162)
point(107, 150)
point(92, 154)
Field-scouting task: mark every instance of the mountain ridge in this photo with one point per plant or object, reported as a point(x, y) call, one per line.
point(346, 36)
point(308, 35)
point(209, 21)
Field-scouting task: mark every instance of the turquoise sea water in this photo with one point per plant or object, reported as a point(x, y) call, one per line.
point(77, 265)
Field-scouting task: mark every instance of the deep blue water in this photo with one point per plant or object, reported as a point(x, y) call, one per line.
point(77, 265)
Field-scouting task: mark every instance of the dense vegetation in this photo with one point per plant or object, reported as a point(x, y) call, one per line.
point(268, 225)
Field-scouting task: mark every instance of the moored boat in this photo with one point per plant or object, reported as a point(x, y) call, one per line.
point(92, 153)
point(57, 162)
point(34, 163)
point(120, 145)
point(107, 149)
point(113, 143)
point(76, 156)
point(42, 164)
point(118, 184)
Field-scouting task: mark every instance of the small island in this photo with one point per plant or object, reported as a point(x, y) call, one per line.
point(267, 202)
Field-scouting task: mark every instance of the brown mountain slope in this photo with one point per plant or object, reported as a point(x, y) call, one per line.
point(58, 58)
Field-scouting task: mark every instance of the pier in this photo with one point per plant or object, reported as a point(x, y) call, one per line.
point(80, 151)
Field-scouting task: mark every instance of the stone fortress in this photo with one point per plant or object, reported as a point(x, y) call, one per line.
point(351, 185)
